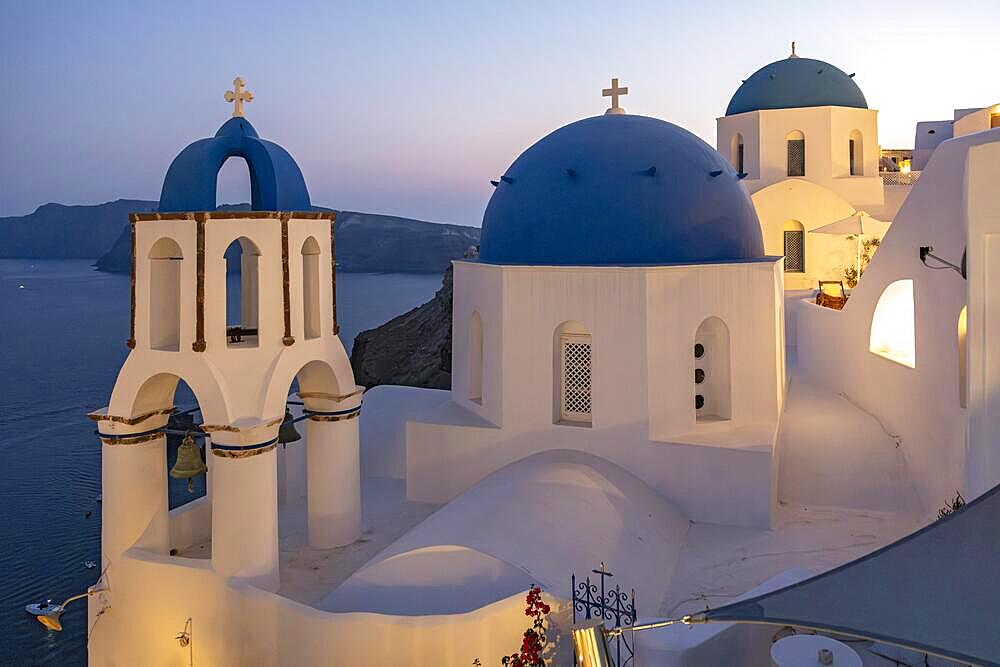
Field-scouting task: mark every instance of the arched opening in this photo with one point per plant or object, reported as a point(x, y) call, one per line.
point(736, 152)
point(242, 293)
point(963, 360)
point(193, 514)
point(573, 371)
point(795, 247)
point(310, 288)
point(712, 389)
point(476, 358)
point(796, 143)
point(892, 332)
point(165, 295)
point(856, 153)
point(233, 187)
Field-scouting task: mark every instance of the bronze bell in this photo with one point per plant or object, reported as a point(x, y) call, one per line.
point(188, 464)
point(287, 433)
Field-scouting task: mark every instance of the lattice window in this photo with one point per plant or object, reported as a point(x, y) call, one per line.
point(795, 252)
point(796, 157)
point(576, 372)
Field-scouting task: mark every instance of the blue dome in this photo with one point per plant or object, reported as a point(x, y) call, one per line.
point(620, 189)
point(276, 182)
point(795, 83)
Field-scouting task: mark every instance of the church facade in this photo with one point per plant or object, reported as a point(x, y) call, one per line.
point(800, 133)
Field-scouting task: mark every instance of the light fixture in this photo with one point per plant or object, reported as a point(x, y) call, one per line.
point(590, 639)
point(48, 614)
point(928, 251)
point(184, 639)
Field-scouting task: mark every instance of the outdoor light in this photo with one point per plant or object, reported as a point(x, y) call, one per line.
point(48, 614)
point(590, 643)
point(590, 639)
point(184, 639)
point(928, 251)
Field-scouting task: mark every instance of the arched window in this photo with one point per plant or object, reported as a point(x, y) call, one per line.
point(856, 153)
point(736, 152)
point(476, 358)
point(165, 295)
point(574, 358)
point(795, 247)
point(242, 292)
point(892, 334)
point(310, 288)
point(963, 361)
point(796, 153)
point(712, 389)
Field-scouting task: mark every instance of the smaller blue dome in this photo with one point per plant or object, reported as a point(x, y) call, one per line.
point(620, 190)
point(276, 182)
point(795, 83)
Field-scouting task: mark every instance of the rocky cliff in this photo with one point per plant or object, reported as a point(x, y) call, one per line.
point(413, 349)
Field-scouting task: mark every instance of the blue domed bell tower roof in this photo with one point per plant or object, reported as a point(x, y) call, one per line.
point(276, 182)
point(795, 83)
point(620, 189)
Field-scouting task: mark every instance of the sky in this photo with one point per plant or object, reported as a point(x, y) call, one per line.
point(410, 108)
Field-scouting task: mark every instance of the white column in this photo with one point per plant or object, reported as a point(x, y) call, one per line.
point(333, 480)
point(245, 507)
point(133, 489)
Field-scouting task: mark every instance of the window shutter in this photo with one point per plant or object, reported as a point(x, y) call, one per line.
point(576, 372)
point(796, 157)
point(795, 254)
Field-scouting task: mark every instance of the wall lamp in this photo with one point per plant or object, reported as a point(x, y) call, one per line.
point(48, 614)
point(928, 251)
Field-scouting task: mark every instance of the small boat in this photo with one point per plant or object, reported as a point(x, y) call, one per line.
point(89, 564)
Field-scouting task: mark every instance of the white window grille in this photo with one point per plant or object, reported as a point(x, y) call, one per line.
point(576, 372)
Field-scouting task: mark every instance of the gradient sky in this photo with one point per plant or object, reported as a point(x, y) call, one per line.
point(410, 108)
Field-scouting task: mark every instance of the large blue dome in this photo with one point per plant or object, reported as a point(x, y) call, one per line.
point(620, 189)
point(795, 83)
point(276, 182)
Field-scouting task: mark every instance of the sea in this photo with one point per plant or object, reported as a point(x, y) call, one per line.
point(63, 328)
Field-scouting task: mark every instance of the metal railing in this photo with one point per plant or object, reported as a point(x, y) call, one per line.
point(899, 177)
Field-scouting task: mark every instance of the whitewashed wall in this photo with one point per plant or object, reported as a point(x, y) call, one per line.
point(920, 404)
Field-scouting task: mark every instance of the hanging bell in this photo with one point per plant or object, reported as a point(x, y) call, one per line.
point(287, 433)
point(188, 464)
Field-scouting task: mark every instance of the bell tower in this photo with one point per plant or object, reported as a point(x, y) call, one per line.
point(239, 354)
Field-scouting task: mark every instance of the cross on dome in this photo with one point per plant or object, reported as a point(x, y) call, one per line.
point(794, 55)
point(614, 92)
point(238, 96)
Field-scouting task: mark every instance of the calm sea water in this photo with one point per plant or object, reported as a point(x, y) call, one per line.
point(62, 339)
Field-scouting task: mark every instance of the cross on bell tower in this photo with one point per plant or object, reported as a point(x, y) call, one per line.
point(238, 96)
point(614, 92)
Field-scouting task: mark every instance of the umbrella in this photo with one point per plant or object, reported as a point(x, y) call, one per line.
point(857, 224)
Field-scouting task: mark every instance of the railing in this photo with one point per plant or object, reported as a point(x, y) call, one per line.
point(614, 605)
point(900, 177)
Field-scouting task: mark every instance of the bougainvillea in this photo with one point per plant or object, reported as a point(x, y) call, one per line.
point(534, 639)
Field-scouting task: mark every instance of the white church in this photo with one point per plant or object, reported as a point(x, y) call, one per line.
point(632, 388)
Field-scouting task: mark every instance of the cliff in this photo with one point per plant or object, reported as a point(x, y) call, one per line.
point(55, 231)
point(413, 349)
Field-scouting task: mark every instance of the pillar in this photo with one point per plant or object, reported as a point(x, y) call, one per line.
point(134, 510)
point(245, 505)
point(334, 475)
